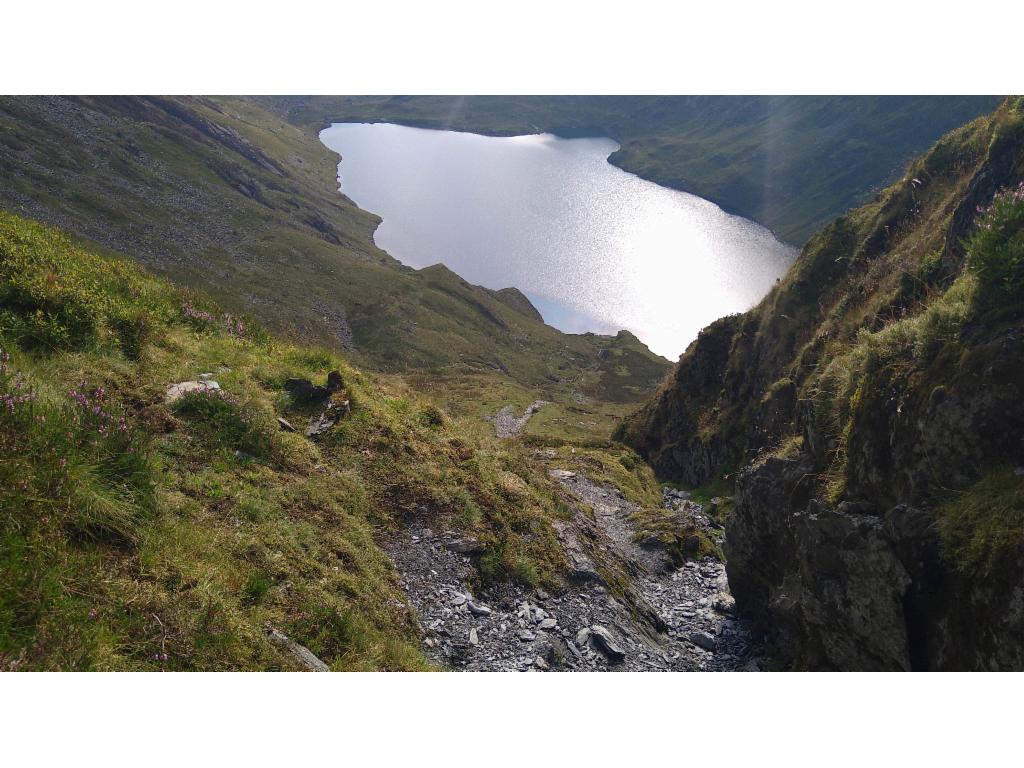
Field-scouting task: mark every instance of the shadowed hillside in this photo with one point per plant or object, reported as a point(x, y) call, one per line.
point(870, 412)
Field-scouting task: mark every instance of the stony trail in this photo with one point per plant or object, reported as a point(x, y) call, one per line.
point(507, 424)
point(670, 619)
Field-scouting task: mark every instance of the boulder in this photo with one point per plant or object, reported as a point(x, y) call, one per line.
point(305, 391)
point(176, 391)
point(603, 641)
point(723, 602)
point(466, 545)
point(703, 640)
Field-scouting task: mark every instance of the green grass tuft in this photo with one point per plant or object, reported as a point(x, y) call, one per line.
point(995, 252)
point(984, 524)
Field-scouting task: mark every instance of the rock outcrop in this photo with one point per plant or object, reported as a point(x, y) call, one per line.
point(871, 413)
point(305, 391)
point(516, 299)
point(856, 587)
point(176, 391)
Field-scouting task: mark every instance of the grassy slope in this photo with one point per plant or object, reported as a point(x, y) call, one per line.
point(171, 541)
point(882, 309)
point(225, 196)
point(791, 163)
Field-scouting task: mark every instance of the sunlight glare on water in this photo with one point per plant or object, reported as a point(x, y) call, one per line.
point(593, 247)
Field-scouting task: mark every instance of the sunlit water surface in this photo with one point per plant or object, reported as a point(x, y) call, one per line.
point(593, 247)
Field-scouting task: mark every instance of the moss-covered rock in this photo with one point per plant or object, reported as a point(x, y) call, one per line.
point(893, 349)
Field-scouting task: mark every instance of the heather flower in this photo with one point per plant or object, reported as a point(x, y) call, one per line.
point(996, 250)
point(191, 313)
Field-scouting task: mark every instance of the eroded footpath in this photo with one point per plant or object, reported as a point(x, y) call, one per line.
point(666, 619)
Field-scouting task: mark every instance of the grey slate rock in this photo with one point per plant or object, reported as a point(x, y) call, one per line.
point(467, 545)
point(703, 640)
point(331, 415)
point(302, 654)
point(605, 642)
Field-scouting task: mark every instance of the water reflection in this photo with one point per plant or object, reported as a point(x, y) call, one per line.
point(595, 248)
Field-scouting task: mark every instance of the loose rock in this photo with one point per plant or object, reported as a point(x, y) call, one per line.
point(704, 640)
point(466, 545)
point(603, 640)
point(176, 391)
point(331, 416)
point(302, 654)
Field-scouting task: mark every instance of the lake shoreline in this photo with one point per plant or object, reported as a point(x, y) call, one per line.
point(594, 247)
point(614, 159)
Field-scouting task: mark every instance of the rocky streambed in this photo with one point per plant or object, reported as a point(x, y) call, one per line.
point(667, 618)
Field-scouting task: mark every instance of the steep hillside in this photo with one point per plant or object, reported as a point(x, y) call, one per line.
point(788, 162)
point(222, 195)
point(164, 505)
point(870, 412)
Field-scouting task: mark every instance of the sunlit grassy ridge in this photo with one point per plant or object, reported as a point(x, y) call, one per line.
point(224, 196)
point(140, 535)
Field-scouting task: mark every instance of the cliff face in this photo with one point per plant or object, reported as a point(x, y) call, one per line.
point(857, 586)
point(870, 410)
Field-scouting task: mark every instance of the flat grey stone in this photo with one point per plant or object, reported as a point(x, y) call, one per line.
point(703, 640)
point(176, 391)
point(605, 642)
